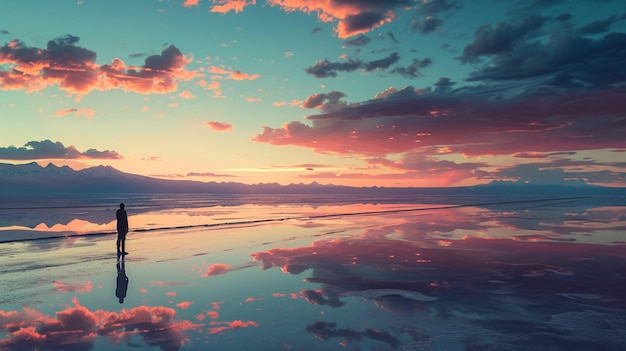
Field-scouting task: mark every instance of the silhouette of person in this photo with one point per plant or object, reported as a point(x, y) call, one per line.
point(122, 282)
point(122, 229)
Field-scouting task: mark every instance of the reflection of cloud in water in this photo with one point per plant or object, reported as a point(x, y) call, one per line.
point(77, 327)
point(73, 287)
point(503, 285)
point(329, 330)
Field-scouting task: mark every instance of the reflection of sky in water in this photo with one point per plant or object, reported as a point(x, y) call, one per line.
point(472, 278)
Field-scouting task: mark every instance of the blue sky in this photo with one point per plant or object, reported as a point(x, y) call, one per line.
point(390, 93)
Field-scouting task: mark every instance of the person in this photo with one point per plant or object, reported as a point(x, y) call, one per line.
point(122, 282)
point(122, 229)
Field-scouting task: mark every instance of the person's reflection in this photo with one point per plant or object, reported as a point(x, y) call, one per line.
point(122, 281)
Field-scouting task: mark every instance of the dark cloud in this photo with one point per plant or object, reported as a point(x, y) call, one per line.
point(427, 25)
point(46, 149)
point(393, 38)
point(325, 102)
point(563, 61)
point(383, 63)
point(412, 70)
point(469, 121)
point(329, 330)
point(323, 69)
point(318, 298)
point(443, 85)
point(362, 21)
point(326, 68)
point(315, 30)
point(4, 31)
point(597, 27)
point(358, 41)
point(490, 40)
point(436, 6)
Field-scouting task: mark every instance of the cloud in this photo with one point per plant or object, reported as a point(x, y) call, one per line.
point(325, 68)
point(315, 297)
point(190, 3)
point(563, 60)
point(358, 41)
point(219, 126)
point(235, 75)
point(184, 305)
point(490, 40)
point(227, 326)
point(77, 327)
point(597, 27)
point(46, 149)
point(208, 174)
point(353, 17)
point(186, 94)
point(466, 121)
point(325, 101)
point(73, 287)
point(73, 69)
point(87, 112)
point(224, 6)
point(434, 7)
point(217, 269)
point(412, 70)
point(329, 330)
point(427, 25)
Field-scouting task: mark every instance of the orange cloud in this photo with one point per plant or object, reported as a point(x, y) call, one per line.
point(190, 3)
point(224, 6)
point(353, 17)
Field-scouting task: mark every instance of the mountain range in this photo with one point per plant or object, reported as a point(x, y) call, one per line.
point(33, 178)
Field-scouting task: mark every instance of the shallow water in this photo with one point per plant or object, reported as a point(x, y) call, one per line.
point(367, 275)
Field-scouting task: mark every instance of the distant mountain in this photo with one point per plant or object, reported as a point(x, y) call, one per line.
point(32, 178)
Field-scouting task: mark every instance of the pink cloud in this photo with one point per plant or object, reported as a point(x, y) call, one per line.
point(227, 326)
point(409, 119)
point(234, 75)
point(213, 314)
point(74, 287)
point(73, 69)
point(219, 126)
point(87, 112)
point(217, 269)
point(76, 326)
point(184, 305)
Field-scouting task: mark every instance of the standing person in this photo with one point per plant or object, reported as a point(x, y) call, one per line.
point(122, 229)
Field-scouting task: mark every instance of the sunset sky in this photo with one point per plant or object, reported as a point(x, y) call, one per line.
point(353, 92)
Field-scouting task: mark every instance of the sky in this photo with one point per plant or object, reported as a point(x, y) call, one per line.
point(424, 93)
